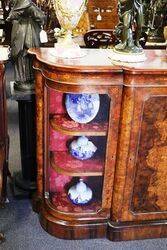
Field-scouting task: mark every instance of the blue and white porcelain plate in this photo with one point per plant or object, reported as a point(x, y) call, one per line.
point(82, 108)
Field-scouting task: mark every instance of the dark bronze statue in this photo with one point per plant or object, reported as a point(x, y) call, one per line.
point(130, 25)
point(155, 19)
point(27, 19)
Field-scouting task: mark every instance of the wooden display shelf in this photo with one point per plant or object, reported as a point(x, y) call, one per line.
point(62, 203)
point(66, 164)
point(62, 123)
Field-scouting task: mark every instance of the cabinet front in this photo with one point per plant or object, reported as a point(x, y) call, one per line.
point(141, 175)
point(78, 113)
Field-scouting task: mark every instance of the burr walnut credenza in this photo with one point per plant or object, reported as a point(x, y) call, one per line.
point(128, 173)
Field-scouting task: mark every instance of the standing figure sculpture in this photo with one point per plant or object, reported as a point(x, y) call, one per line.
point(27, 19)
point(130, 25)
point(156, 20)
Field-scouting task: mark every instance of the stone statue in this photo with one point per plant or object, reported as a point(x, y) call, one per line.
point(130, 25)
point(27, 19)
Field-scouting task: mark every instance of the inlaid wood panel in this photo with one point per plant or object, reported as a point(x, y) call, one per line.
point(141, 157)
point(150, 187)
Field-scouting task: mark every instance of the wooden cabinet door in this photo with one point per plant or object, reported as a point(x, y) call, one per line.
point(107, 10)
point(140, 191)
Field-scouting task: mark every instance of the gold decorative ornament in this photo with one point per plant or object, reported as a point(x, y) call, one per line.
point(68, 13)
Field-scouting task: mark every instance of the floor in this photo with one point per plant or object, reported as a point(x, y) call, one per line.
point(21, 225)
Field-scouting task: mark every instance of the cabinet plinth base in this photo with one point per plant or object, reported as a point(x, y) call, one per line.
point(36, 203)
point(136, 231)
point(73, 229)
point(90, 229)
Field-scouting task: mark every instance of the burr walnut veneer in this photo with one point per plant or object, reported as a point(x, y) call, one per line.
point(128, 175)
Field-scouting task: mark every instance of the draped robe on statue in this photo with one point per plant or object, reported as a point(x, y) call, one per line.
point(131, 16)
point(27, 19)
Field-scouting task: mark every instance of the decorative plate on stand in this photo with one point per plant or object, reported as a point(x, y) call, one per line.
point(82, 108)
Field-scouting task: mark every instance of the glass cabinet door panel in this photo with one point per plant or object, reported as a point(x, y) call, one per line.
point(76, 150)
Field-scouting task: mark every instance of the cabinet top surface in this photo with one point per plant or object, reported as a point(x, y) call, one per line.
point(156, 61)
point(99, 59)
point(93, 60)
